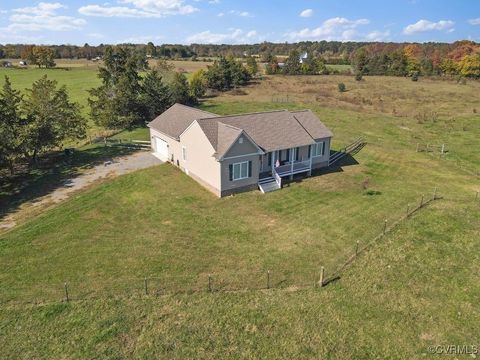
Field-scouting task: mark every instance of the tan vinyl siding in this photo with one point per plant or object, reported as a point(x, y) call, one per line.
point(200, 162)
point(174, 147)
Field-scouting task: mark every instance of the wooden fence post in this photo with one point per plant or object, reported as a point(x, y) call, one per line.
point(443, 148)
point(416, 150)
point(66, 292)
point(435, 194)
point(356, 248)
point(385, 227)
point(408, 209)
point(209, 283)
point(268, 279)
point(145, 286)
point(322, 274)
point(421, 202)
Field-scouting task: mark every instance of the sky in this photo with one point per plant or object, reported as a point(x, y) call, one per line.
point(236, 22)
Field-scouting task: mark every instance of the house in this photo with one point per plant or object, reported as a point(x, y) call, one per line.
point(230, 154)
point(303, 57)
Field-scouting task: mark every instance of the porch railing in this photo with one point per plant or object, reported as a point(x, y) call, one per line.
point(278, 179)
point(294, 167)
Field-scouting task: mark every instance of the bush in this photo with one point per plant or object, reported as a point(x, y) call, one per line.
point(342, 87)
point(415, 76)
point(359, 76)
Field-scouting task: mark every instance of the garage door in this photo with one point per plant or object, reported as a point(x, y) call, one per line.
point(161, 148)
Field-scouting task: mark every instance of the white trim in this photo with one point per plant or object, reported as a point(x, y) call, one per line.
point(240, 164)
point(240, 156)
point(242, 132)
point(318, 144)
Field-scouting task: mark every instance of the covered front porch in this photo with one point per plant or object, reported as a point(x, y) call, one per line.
point(287, 162)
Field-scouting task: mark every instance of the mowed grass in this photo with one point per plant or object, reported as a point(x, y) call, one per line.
point(416, 288)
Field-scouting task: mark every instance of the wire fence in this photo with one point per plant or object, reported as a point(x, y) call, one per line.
point(220, 281)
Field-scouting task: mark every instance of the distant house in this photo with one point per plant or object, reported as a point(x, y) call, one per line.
point(230, 154)
point(303, 57)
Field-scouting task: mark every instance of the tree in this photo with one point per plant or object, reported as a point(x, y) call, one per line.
point(272, 67)
point(469, 66)
point(44, 56)
point(28, 54)
point(342, 87)
point(292, 64)
point(252, 66)
point(151, 50)
point(198, 84)
point(180, 90)
point(117, 103)
point(156, 96)
point(11, 126)
point(358, 76)
point(51, 118)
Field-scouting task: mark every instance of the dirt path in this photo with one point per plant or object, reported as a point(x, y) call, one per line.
point(116, 167)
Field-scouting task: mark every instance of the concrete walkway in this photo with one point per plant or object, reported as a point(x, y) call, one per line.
point(116, 167)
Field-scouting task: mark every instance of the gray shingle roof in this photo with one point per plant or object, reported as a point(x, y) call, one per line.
point(176, 119)
point(271, 131)
point(312, 124)
point(274, 130)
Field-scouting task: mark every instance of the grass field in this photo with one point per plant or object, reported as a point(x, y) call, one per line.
point(417, 287)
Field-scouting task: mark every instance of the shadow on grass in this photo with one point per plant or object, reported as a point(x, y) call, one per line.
point(347, 160)
point(52, 172)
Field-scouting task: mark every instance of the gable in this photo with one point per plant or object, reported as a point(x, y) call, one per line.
point(242, 146)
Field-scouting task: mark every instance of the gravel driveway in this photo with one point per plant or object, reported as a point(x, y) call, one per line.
point(116, 167)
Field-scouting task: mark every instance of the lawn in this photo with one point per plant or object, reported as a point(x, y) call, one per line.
point(416, 287)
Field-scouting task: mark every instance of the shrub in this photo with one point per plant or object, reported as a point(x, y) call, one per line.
point(342, 87)
point(415, 76)
point(359, 76)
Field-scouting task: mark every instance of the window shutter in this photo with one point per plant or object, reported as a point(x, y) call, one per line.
point(269, 159)
point(309, 151)
point(280, 155)
point(323, 148)
point(288, 155)
point(250, 168)
point(297, 153)
point(230, 172)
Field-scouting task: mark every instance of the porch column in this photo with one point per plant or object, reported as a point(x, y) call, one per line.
point(273, 162)
point(291, 162)
point(310, 171)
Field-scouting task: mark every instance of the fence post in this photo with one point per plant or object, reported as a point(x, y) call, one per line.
point(322, 274)
point(66, 292)
point(356, 248)
point(268, 279)
point(435, 194)
point(209, 283)
point(421, 202)
point(408, 209)
point(416, 150)
point(145, 286)
point(385, 227)
point(443, 148)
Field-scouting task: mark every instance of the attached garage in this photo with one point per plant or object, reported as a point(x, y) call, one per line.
point(161, 148)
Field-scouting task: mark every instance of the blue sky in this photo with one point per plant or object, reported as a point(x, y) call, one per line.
point(233, 22)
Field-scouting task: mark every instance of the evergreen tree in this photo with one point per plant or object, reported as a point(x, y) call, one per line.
point(51, 118)
point(292, 64)
point(180, 90)
point(156, 96)
point(198, 84)
point(11, 126)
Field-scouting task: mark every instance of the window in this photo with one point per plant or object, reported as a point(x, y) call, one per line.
point(184, 153)
point(241, 170)
point(240, 140)
point(317, 149)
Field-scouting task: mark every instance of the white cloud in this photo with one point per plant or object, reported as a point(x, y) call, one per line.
point(235, 36)
point(306, 13)
point(240, 13)
point(140, 39)
point(474, 21)
point(139, 9)
point(426, 25)
point(41, 17)
point(332, 29)
point(221, 14)
point(378, 35)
